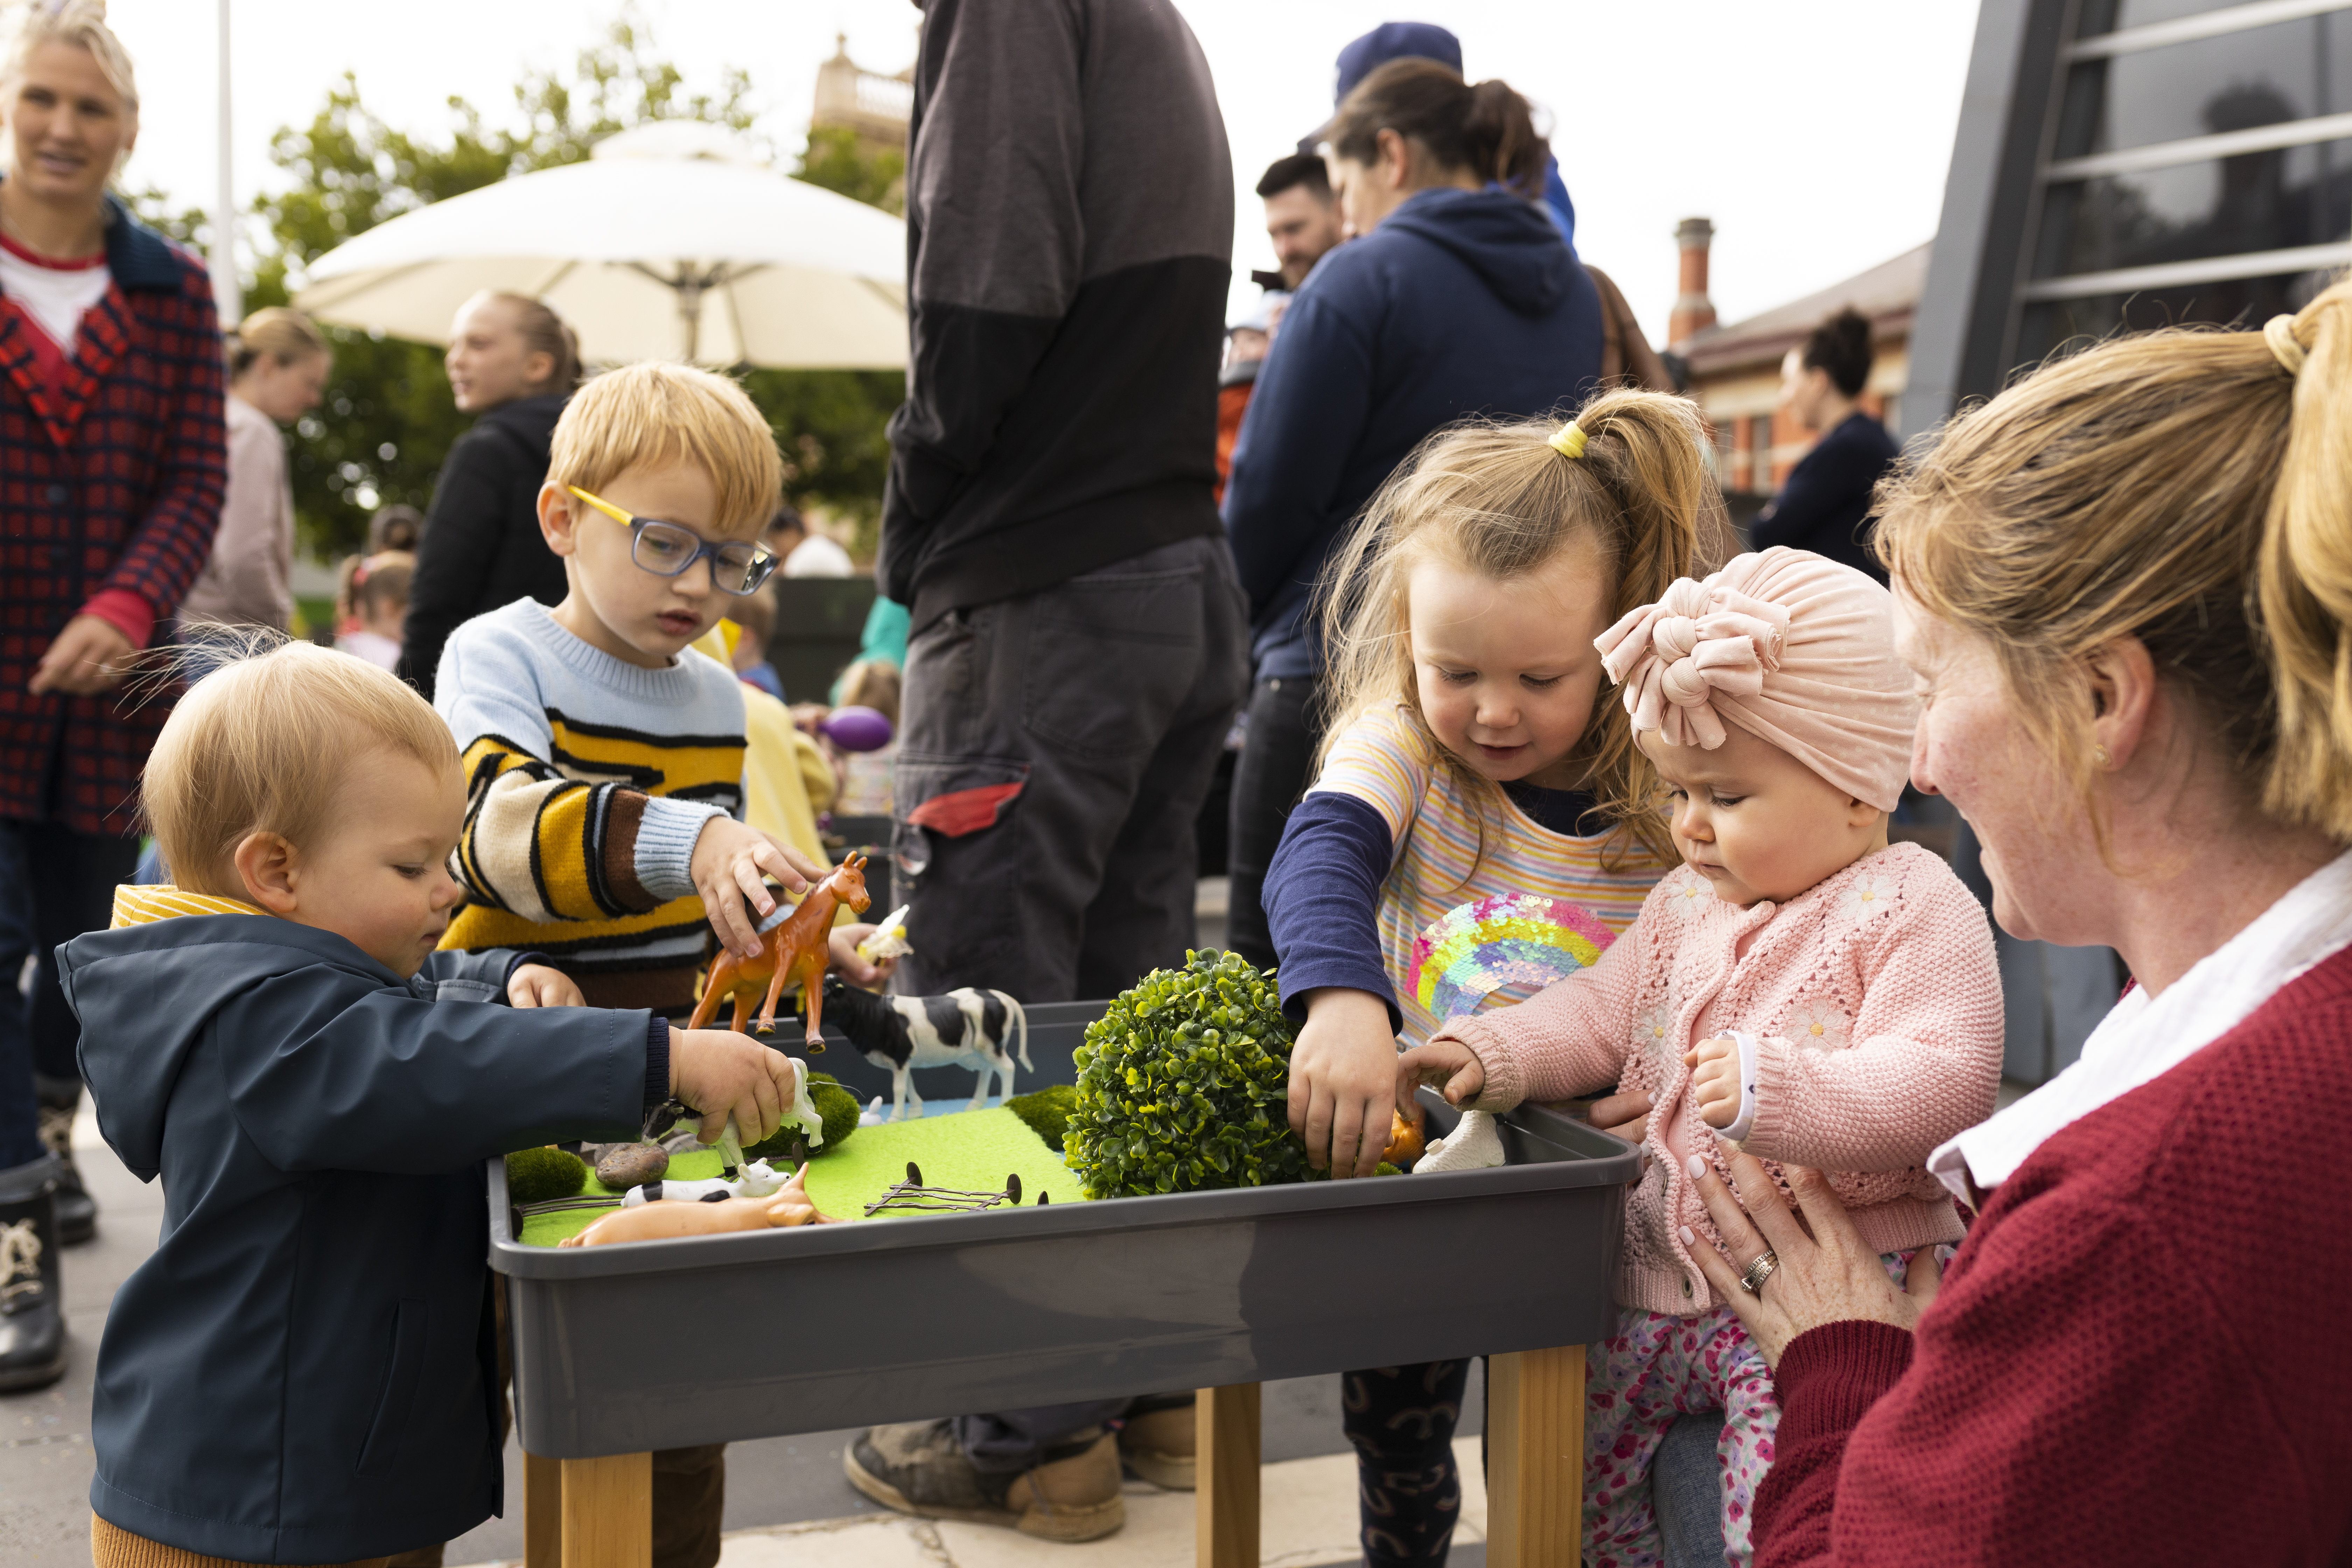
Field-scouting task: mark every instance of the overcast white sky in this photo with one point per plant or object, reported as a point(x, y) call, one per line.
point(1814, 133)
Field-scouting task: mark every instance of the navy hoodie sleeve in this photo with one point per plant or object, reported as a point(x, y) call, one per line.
point(1322, 894)
point(321, 1078)
point(1305, 421)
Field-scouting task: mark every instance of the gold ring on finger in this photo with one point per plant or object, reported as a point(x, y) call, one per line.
point(1759, 1271)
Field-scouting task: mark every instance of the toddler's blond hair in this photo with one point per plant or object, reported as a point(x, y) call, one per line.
point(659, 413)
point(263, 744)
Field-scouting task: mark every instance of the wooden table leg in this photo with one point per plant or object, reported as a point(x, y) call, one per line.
point(1535, 1474)
point(542, 1512)
point(1225, 1497)
point(608, 1511)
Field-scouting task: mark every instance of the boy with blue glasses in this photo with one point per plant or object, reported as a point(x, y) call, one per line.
point(604, 757)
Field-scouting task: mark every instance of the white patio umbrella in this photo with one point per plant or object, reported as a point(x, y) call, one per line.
point(672, 241)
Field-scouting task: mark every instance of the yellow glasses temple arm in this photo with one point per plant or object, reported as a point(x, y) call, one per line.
point(607, 508)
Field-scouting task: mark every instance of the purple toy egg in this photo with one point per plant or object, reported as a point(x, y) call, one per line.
point(855, 728)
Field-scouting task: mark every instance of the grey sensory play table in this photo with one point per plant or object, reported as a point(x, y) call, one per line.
point(619, 1351)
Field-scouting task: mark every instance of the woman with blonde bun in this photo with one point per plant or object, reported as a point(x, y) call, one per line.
point(2125, 586)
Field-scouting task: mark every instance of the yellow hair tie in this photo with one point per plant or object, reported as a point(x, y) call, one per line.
point(1568, 440)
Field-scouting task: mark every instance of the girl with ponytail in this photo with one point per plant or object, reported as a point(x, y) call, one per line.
point(1470, 757)
point(2125, 586)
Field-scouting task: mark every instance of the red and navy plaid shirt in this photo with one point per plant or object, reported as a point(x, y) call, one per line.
point(110, 483)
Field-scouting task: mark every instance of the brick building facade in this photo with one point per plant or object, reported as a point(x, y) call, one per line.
point(1734, 370)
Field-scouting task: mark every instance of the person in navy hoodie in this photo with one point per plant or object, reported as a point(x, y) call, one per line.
point(1459, 296)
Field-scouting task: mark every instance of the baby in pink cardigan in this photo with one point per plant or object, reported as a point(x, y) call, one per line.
point(1798, 988)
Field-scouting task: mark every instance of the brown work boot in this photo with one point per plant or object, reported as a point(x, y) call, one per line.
point(919, 1467)
point(1159, 1440)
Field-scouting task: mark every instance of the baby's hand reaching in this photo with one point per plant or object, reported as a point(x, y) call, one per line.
point(1715, 1077)
point(537, 985)
point(1447, 1065)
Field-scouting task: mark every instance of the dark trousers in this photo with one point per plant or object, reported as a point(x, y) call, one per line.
point(55, 884)
point(1401, 1420)
point(1277, 764)
point(1058, 747)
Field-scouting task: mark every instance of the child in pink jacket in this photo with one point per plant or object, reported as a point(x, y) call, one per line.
point(1798, 988)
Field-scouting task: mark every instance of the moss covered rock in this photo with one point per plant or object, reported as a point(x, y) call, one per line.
point(1183, 1086)
point(541, 1175)
point(1047, 1112)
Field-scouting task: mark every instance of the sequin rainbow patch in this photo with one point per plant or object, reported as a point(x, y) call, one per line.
point(1477, 949)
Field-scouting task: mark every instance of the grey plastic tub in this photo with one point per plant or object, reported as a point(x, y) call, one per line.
point(665, 1344)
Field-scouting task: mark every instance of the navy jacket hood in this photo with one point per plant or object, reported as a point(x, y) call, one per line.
point(1460, 304)
point(304, 1370)
point(1515, 251)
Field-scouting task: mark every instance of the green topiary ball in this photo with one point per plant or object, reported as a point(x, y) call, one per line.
point(835, 1104)
point(541, 1175)
point(1183, 1086)
point(1046, 1110)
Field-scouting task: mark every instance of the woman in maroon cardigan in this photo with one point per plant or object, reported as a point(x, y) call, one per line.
point(2126, 585)
point(110, 475)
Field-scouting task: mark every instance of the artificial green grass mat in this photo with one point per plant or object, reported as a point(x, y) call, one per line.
point(970, 1150)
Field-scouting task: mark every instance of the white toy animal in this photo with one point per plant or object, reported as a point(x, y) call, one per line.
point(966, 1027)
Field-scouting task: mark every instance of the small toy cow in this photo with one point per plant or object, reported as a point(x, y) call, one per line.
point(966, 1027)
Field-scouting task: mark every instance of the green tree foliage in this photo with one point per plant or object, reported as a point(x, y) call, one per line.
point(386, 421)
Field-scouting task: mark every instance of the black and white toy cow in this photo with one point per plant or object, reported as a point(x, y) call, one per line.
point(966, 1027)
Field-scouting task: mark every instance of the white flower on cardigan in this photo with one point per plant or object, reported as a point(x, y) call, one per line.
point(1822, 1026)
point(1650, 1031)
point(1869, 896)
point(1691, 898)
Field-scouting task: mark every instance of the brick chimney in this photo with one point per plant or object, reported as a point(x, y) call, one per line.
point(1693, 309)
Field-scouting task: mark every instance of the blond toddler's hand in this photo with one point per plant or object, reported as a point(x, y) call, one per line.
point(1343, 1095)
point(731, 863)
point(1715, 1077)
point(1447, 1065)
point(537, 985)
point(721, 1074)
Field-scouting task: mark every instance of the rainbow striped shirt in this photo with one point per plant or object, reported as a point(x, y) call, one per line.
point(1383, 759)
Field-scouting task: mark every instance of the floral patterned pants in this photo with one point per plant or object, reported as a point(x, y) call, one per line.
point(1655, 1369)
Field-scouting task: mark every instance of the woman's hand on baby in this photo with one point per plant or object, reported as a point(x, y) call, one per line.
point(1449, 1066)
point(1343, 1081)
point(721, 1074)
point(537, 985)
point(1826, 1273)
point(1715, 1077)
point(1625, 1116)
point(731, 863)
point(846, 961)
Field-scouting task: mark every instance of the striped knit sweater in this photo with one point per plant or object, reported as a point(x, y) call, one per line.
point(587, 783)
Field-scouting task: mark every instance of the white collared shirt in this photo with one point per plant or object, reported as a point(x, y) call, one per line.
point(2147, 1037)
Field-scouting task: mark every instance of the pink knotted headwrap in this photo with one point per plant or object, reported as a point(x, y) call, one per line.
point(1794, 648)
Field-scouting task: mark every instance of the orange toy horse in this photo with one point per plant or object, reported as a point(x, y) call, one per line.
point(794, 953)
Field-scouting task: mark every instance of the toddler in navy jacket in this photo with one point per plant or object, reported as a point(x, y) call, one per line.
point(303, 1372)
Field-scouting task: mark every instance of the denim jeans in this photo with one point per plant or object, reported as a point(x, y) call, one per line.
point(1277, 764)
point(55, 884)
